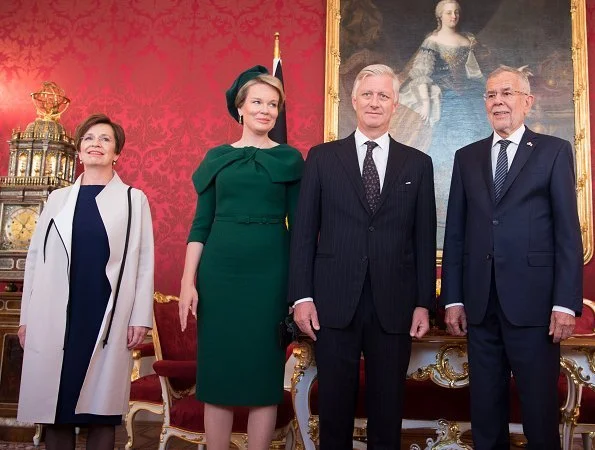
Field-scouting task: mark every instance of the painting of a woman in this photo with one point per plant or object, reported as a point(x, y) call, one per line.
point(443, 80)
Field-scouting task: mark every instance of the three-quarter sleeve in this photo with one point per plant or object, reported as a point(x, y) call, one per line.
point(204, 216)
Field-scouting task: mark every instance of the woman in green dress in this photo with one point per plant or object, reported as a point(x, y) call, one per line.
point(236, 263)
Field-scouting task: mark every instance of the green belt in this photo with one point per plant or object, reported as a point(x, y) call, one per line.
point(250, 219)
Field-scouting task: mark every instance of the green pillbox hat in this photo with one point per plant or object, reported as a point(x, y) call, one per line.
point(241, 80)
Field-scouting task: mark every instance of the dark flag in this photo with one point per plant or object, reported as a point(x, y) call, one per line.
point(279, 131)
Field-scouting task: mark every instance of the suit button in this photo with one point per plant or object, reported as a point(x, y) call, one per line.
point(495, 222)
point(371, 229)
point(489, 256)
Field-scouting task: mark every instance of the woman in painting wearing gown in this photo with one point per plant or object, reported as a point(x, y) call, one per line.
point(87, 297)
point(444, 86)
point(235, 269)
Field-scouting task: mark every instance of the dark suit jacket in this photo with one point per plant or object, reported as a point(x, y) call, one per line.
point(531, 236)
point(336, 239)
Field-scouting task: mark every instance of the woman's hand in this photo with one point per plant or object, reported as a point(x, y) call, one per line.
point(22, 333)
point(136, 335)
point(188, 302)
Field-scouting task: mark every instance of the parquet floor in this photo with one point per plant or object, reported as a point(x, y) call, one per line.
point(147, 438)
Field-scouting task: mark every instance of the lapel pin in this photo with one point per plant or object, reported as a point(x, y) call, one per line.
point(530, 144)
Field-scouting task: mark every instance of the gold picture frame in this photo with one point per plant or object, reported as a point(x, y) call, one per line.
point(580, 98)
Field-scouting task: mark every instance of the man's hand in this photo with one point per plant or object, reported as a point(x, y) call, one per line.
point(22, 333)
point(561, 325)
point(304, 314)
point(420, 324)
point(456, 320)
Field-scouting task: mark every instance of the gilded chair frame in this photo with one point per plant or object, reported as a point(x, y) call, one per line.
point(283, 438)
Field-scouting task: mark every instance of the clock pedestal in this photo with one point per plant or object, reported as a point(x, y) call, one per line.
point(42, 158)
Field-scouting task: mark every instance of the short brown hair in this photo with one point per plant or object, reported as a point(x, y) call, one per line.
point(96, 119)
point(269, 80)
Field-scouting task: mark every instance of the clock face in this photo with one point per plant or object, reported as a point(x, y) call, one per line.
point(18, 224)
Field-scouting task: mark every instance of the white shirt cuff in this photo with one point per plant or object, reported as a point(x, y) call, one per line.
point(453, 304)
point(303, 300)
point(564, 310)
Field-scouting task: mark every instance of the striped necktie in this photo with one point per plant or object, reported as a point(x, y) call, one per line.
point(501, 168)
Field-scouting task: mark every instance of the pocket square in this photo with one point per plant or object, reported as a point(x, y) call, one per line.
point(408, 182)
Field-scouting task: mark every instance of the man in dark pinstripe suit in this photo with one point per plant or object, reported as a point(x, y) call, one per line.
point(362, 267)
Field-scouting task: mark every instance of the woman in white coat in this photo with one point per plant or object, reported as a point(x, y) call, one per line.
point(87, 296)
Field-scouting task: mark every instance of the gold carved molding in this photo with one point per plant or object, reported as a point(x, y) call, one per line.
point(443, 371)
point(582, 133)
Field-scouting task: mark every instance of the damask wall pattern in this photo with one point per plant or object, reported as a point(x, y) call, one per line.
point(160, 68)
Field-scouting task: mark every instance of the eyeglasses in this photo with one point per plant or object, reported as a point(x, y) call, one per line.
point(103, 139)
point(505, 94)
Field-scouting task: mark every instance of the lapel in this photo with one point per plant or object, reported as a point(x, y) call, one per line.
point(485, 155)
point(522, 155)
point(63, 220)
point(347, 155)
point(112, 203)
point(395, 163)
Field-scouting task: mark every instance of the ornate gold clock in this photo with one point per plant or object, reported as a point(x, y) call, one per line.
point(42, 158)
point(17, 225)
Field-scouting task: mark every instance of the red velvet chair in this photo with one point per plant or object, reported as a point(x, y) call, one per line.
point(145, 391)
point(176, 366)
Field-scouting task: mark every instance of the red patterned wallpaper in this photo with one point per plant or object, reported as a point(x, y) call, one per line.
point(160, 68)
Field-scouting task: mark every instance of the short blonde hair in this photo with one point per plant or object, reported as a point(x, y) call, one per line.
point(377, 70)
point(269, 80)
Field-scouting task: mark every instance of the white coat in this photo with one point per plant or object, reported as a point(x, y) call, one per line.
point(106, 387)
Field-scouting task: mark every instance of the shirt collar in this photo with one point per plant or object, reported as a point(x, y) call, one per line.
point(515, 137)
point(382, 141)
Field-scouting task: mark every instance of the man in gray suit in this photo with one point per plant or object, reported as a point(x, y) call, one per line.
point(362, 266)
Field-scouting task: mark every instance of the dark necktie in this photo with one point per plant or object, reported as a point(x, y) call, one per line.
point(370, 177)
point(501, 168)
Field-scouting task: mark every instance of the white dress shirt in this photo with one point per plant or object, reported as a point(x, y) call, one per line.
point(380, 157)
point(515, 140)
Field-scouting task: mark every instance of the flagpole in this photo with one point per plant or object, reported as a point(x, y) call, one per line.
point(279, 131)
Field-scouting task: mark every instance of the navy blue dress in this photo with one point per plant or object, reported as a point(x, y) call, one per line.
point(89, 294)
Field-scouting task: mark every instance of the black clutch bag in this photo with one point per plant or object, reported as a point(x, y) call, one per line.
point(288, 331)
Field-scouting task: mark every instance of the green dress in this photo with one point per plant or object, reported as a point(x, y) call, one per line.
point(245, 195)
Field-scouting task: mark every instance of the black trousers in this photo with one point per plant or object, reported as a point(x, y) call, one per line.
point(386, 358)
point(496, 347)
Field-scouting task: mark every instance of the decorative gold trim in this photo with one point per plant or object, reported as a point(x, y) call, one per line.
point(313, 428)
point(331, 75)
point(574, 371)
point(582, 134)
point(582, 139)
point(590, 352)
point(304, 355)
point(449, 437)
point(162, 298)
point(443, 370)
